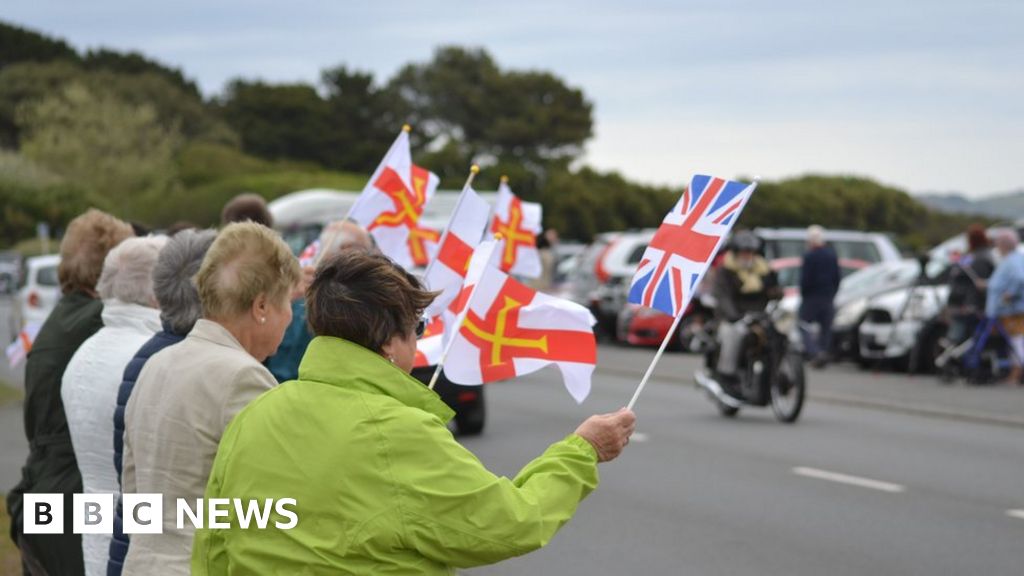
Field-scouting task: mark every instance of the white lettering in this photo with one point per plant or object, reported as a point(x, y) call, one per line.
point(196, 517)
point(251, 510)
point(213, 513)
point(282, 511)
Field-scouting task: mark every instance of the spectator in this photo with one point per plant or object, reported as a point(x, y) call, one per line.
point(176, 293)
point(187, 393)
point(819, 282)
point(284, 364)
point(89, 388)
point(381, 487)
point(1005, 299)
point(51, 465)
point(967, 282)
point(247, 207)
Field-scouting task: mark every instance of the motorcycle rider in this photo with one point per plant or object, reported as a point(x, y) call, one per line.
point(744, 284)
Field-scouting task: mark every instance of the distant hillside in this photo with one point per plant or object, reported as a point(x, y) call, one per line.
point(1007, 206)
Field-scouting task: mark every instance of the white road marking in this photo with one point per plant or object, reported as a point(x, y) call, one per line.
point(1019, 514)
point(639, 437)
point(847, 479)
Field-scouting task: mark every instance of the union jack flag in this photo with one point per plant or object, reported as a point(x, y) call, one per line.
point(684, 246)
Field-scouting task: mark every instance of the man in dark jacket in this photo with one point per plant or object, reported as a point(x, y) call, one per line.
point(819, 282)
point(51, 466)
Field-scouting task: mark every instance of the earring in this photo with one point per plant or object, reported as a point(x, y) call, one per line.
point(263, 320)
point(391, 359)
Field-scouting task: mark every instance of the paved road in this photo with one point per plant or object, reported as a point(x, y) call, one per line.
point(704, 495)
point(697, 494)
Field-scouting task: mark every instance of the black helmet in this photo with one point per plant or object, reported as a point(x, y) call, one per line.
point(745, 241)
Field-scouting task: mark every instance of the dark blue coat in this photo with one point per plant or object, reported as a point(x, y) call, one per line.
point(163, 339)
point(819, 275)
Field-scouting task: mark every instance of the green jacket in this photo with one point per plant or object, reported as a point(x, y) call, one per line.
point(381, 485)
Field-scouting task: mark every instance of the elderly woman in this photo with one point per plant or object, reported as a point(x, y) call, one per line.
point(176, 293)
point(336, 237)
point(1005, 298)
point(381, 485)
point(51, 465)
point(89, 388)
point(187, 393)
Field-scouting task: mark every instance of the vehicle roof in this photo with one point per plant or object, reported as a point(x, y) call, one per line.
point(318, 206)
point(42, 261)
point(801, 233)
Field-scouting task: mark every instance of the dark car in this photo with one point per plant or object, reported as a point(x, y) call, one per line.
point(467, 401)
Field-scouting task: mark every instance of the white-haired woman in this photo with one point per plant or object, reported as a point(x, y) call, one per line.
point(187, 393)
point(90, 383)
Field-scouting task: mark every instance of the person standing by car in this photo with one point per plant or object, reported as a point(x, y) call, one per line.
point(1006, 298)
point(819, 282)
point(968, 279)
point(744, 284)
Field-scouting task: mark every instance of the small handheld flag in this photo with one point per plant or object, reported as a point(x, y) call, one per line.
point(511, 330)
point(518, 223)
point(683, 248)
point(391, 205)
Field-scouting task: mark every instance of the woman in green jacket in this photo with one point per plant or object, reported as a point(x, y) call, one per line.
point(380, 484)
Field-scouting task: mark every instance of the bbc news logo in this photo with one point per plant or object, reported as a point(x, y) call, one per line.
point(143, 513)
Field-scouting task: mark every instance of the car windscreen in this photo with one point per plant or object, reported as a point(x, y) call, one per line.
point(47, 276)
point(863, 250)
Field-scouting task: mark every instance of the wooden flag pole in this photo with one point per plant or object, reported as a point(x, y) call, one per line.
point(473, 171)
point(328, 246)
point(661, 350)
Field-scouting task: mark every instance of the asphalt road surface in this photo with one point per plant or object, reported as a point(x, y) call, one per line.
point(846, 490)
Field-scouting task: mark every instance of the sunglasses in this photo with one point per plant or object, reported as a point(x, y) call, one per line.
point(421, 327)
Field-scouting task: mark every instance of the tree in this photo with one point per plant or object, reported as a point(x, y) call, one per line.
point(278, 121)
point(362, 119)
point(19, 44)
point(31, 81)
point(119, 151)
point(465, 108)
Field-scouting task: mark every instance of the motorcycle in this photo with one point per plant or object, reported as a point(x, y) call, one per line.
point(771, 368)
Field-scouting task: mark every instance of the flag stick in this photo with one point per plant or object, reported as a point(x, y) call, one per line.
point(661, 350)
point(328, 246)
point(473, 171)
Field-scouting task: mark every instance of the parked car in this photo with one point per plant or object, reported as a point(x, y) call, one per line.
point(850, 245)
point(602, 277)
point(855, 294)
point(10, 272)
point(903, 326)
point(41, 289)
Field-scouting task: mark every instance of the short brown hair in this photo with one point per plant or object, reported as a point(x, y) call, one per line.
point(365, 298)
point(245, 260)
point(247, 207)
point(86, 242)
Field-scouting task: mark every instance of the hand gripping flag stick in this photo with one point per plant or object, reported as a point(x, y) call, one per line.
point(473, 170)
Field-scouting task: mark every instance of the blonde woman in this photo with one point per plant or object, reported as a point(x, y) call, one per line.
point(188, 392)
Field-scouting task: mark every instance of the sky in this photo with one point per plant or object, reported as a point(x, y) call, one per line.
point(925, 95)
